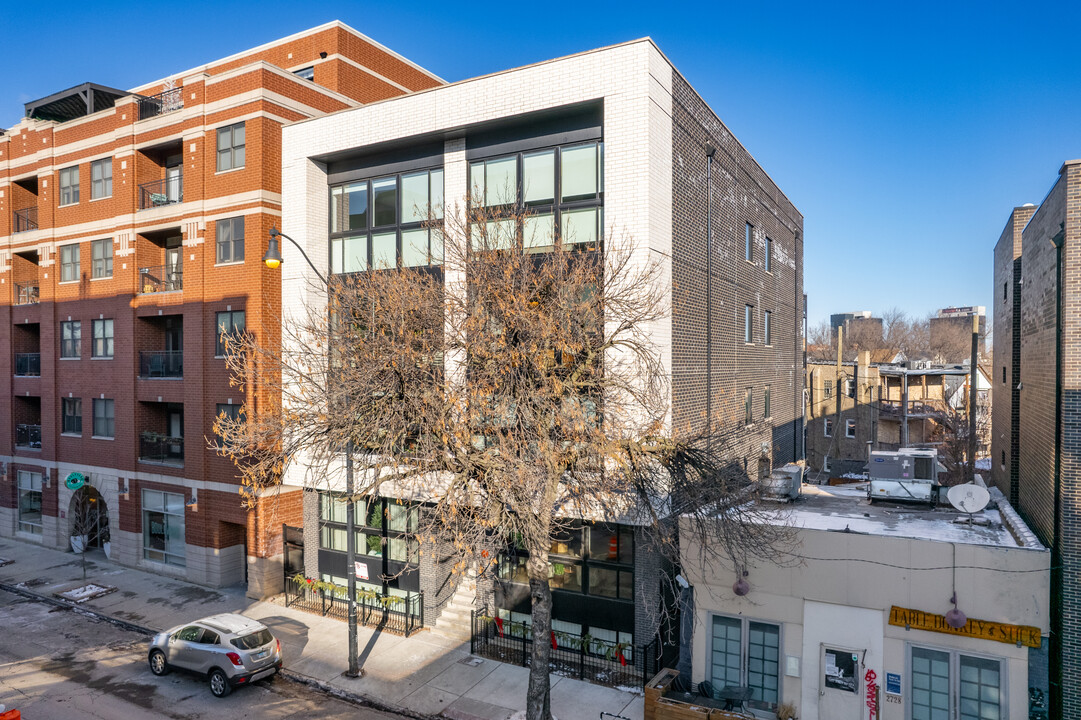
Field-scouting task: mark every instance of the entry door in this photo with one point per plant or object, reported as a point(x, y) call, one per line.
point(176, 430)
point(173, 188)
point(173, 264)
point(840, 695)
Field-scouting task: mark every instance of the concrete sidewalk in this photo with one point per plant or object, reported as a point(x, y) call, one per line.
point(426, 675)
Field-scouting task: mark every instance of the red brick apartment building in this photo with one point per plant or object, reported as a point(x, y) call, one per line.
point(132, 225)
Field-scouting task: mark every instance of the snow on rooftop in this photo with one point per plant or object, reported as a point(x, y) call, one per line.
point(846, 507)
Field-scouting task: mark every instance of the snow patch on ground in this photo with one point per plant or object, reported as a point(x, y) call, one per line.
point(86, 592)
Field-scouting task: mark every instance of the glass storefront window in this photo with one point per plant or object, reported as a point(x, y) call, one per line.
point(29, 502)
point(163, 527)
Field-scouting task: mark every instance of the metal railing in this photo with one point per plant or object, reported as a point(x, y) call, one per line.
point(155, 447)
point(602, 662)
point(915, 407)
point(26, 294)
point(398, 614)
point(161, 364)
point(28, 436)
point(163, 102)
point(26, 219)
point(161, 192)
point(161, 278)
point(28, 364)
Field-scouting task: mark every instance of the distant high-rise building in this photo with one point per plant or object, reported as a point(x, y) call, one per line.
point(951, 332)
point(859, 327)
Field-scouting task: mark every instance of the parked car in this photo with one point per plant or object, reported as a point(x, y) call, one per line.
point(228, 650)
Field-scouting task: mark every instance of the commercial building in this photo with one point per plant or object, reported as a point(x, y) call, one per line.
point(858, 624)
point(859, 327)
point(951, 333)
point(625, 129)
point(1038, 293)
point(132, 223)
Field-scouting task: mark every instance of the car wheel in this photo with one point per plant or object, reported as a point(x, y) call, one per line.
point(219, 684)
point(158, 665)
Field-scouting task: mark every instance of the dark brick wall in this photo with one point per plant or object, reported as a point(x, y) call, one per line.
point(741, 192)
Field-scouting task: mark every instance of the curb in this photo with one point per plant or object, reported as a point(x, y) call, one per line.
point(320, 685)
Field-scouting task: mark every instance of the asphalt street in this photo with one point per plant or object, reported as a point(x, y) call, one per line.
point(60, 663)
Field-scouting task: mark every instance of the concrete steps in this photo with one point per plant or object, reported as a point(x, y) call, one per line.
point(453, 622)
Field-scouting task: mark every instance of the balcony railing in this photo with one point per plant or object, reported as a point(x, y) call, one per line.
point(160, 279)
point(161, 192)
point(916, 408)
point(26, 294)
point(26, 219)
point(28, 436)
point(28, 364)
point(164, 102)
point(158, 448)
point(163, 364)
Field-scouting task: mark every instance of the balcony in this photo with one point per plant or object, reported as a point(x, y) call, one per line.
point(28, 364)
point(28, 436)
point(164, 102)
point(161, 192)
point(161, 278)
point(26, 294)
point(161, 364)
point(25, 219)
point(158, 448)
point(916, 408)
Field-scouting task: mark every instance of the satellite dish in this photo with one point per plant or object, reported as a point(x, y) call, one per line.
point(969, 497)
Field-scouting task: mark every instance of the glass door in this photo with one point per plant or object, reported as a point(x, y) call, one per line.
point(174, 268)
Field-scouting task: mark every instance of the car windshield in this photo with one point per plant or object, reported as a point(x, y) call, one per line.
point(256, 639)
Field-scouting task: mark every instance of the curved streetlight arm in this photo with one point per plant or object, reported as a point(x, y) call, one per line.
point(274, 255)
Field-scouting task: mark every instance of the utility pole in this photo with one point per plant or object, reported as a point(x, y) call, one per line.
point(839, 389)
point(354, 670)
point(973, 385)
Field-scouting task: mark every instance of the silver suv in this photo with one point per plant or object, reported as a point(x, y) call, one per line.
point(227, 650)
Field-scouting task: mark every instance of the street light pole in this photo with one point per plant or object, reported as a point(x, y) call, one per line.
point(273, 260)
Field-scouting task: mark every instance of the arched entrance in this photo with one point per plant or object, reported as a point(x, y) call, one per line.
point(89, 516)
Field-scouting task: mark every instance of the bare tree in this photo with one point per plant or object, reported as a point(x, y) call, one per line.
point(820, 342)
point(511, 390)
point(84, 519)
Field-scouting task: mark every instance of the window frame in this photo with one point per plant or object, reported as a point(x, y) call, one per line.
point(768, 260)
point(109, 419)
point(168, 555)
point(767, 409)
point(105, 182)
point(28, 525)
point(231, 410)
point(69, 186)
point(70, 269)
point(748, 324)
point(232, 150)
point(220, 349)
point(341, 234)
point(748, 243)
point(748, 406)
point(850, 428)
point(232, 243)
point(759, 706)
point(105, 262)
point(76, 417)
point(767, 327)
point(104, 350)
point(827, 427)
point(955, 655)
point(71, 347)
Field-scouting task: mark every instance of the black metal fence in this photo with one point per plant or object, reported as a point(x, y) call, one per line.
point(162, 278)
point(161, 192)
point(26, 219)
point(28, 436)
point(161, 364)
point(168, 101)
point(26, 294)
point(398, 614)
point(583, 657)
point(28, 364)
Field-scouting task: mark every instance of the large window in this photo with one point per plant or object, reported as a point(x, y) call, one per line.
point(230, 232)
point(163, 527)
point(101, 178)
point(767, 326)
point(561, 188)
point(231, 147)
point(101, 258)
point(69, 263)
point(748, 323)
point(386, 222)
point(746, 653)
point(103, 339)
point(72, 412)
point(384, 527)
point(71, 334)
point(230, 325)
point(948, 685)
point(104, 419)
point(30, 502)
point(69, 186)
point(592, 559)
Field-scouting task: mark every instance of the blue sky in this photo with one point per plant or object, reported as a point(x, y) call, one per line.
point(904, 132)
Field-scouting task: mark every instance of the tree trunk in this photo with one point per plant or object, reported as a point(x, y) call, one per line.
point(538, 695)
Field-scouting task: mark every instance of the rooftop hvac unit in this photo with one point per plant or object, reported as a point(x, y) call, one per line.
point(784, 484)
point(906, 475)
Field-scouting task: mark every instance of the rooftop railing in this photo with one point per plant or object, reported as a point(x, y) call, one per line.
point(163, 102)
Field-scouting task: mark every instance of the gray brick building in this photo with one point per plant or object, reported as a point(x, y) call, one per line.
point(670, 170)
point(1037, 421)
